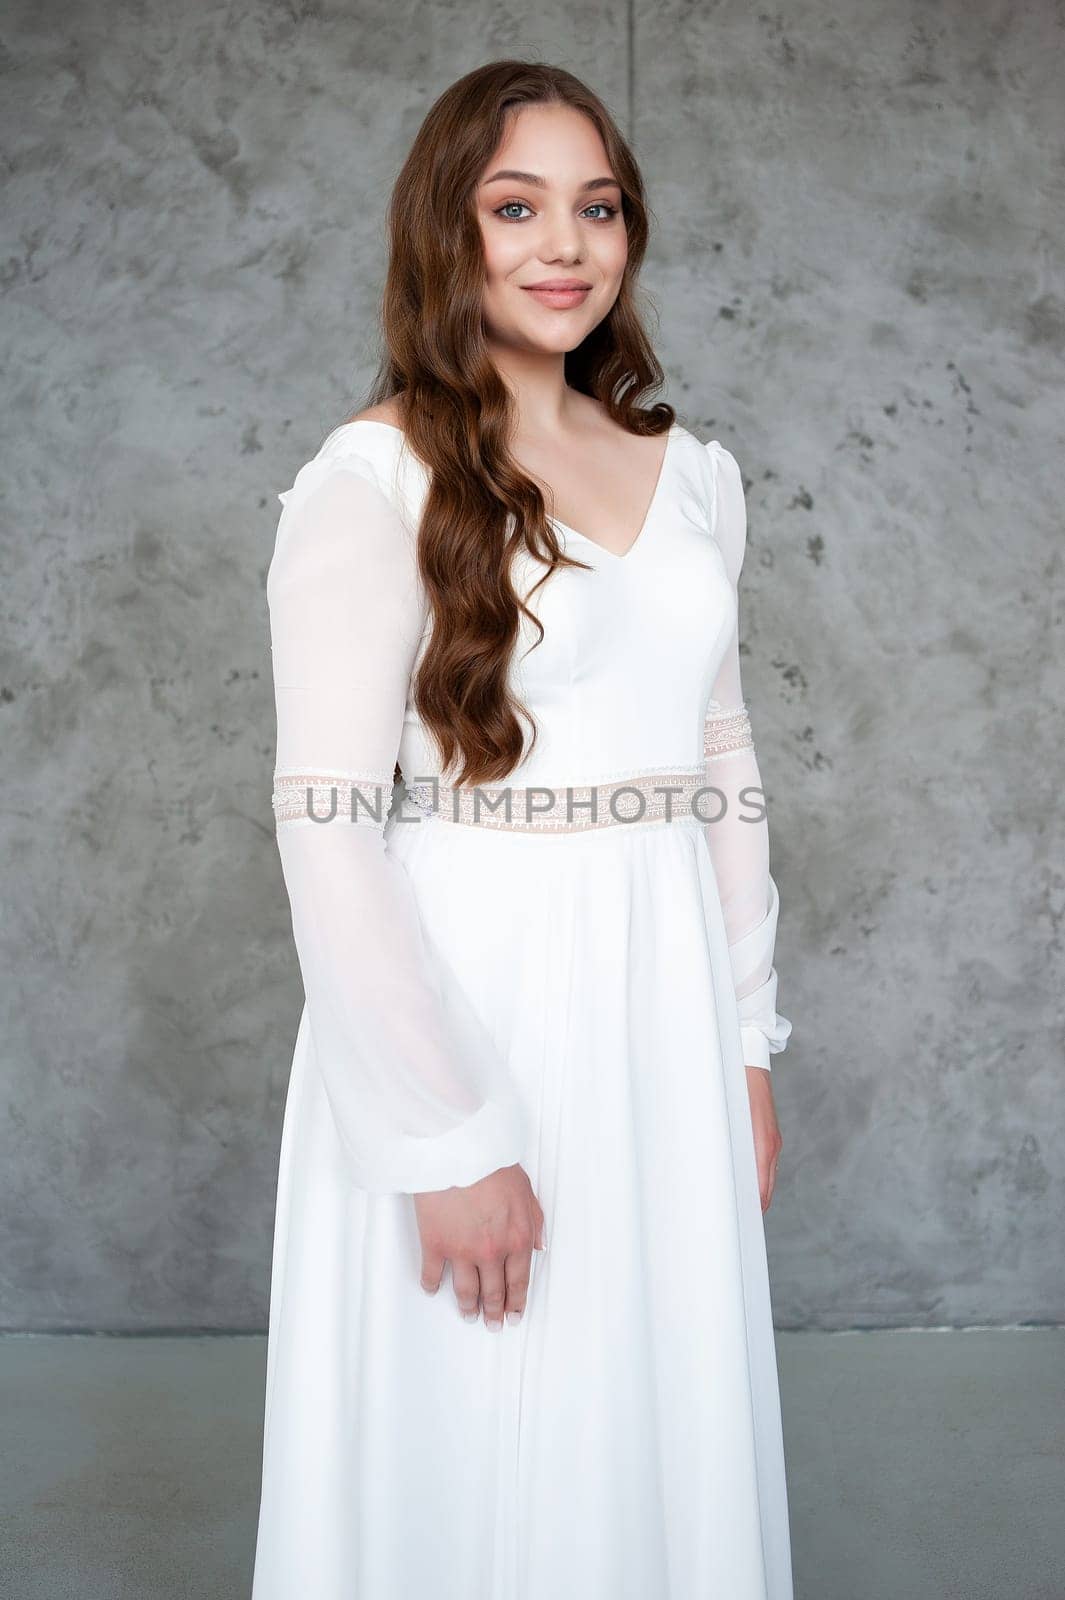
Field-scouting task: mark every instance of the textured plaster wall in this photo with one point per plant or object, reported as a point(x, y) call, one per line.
point(857, 281)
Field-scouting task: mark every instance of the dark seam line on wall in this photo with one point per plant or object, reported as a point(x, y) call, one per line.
point(630, 87)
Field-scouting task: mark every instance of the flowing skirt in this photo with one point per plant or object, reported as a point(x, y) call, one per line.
point(623, 1441)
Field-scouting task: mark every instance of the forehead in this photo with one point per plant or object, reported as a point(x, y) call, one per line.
point(557, 144)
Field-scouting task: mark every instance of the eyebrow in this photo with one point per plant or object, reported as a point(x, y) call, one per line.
point(541, 183)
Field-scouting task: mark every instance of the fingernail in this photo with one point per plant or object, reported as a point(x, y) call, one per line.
point(491, 1323)
point(513, 1316)
point(430, 1290)
point(469, 1316)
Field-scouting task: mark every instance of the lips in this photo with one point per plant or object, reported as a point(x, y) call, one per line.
point(558, 293)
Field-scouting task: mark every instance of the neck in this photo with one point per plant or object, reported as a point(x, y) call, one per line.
point(544, 404)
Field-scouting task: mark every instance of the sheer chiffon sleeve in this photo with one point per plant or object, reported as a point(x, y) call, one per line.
point(420, 1098)
point(739, 836)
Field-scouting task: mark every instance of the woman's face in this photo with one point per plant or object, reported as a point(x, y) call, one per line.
point(550, 215)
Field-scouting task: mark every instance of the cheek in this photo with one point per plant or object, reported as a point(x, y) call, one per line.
point(502, 254)
point(610, 252)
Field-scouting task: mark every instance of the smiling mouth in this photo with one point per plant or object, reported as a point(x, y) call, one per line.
point(559, 294)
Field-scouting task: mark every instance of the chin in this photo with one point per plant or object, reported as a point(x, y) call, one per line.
point(559, 340)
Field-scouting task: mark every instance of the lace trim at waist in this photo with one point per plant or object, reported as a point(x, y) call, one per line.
point(652, 795)
point(637, 798)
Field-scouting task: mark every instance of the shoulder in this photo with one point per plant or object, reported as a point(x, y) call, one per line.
point(372, 438)
point(367, 447)
point(344, 532)
point(714, 464)
point(387, 411)
point(713, 476)
point(710, 482)
point(727, 504)
point(352, 509)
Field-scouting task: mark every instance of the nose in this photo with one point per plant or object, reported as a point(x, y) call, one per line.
point(563, 241)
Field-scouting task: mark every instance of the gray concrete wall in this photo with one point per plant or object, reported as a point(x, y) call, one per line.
point(857, 275)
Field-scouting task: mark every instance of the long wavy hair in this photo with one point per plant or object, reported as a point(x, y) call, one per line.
point(457, 412)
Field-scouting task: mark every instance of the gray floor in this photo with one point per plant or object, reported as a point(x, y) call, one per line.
point(923, 1466)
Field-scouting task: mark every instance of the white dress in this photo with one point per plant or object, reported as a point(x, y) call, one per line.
point(576, 994)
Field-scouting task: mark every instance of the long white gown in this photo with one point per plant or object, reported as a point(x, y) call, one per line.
point(480, 991)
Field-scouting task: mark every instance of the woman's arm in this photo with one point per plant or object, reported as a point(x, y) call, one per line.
point(739, 839)
point(420, 1099)
point(739, 843)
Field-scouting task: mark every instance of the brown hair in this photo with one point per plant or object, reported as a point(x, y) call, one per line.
point(456, 409)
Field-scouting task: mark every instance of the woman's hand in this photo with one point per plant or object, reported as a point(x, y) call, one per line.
point(767, 1140)
point(488, 1231)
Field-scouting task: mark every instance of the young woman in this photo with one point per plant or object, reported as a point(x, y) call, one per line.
point(521, 1342)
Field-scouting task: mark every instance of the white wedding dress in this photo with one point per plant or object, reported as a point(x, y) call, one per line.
point(576, 993)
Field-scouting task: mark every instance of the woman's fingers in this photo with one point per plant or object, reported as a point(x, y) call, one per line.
point(432, 1268)
point(493, 1290)
point(767, 1171)
point(772, 1180)
point(467, 1285)
point(518, 1267)
point(767, 1140)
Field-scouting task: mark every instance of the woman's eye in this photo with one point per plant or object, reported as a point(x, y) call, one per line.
point(509, 207)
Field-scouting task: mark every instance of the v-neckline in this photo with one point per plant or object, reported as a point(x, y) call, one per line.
point(652, 506)
point(611, 555)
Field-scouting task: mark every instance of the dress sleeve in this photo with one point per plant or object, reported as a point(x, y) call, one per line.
point(420, 1098)
point(739, 837)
